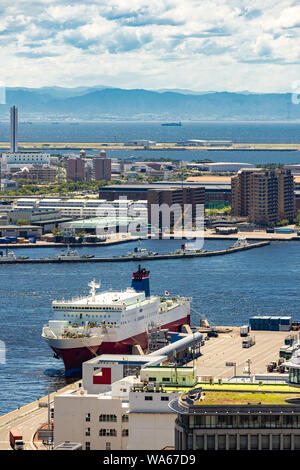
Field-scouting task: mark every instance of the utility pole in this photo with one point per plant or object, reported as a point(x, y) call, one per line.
point(48, 409)
point(249, 362)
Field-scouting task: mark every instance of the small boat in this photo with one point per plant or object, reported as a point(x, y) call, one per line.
point(9, 256)
point(70, 254)
point(190, 248)
point(22, 257)
point(240, 243)
point(139, 251)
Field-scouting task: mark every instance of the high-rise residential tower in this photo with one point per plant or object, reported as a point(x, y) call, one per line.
point(265, 196)
point(13, 129)
point(102, 168)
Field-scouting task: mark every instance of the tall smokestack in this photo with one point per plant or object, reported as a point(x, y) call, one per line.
point(13, 129)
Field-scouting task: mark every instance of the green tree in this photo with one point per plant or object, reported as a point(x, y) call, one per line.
point(23, 222)
point(282, 223)
point(297, 218)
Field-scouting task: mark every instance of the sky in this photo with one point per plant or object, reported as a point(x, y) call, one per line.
point(201, 45)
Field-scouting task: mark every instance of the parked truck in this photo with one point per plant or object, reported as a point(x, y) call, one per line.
point(16, 439)
point(244, 330)
point(248, 342)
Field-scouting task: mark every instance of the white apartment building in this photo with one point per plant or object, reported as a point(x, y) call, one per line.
point(151, 424)
point(21, 159)
point(86, 208)
point(113, 412)
point(97, 421)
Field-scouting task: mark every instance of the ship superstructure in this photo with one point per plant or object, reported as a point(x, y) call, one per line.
point(111, 321)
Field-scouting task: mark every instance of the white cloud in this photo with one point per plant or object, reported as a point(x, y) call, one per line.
point(202, 45)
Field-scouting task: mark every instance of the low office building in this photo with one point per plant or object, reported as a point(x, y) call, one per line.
point(96, 421)
point(20, 231)
point(45, 173)
point(112, 224)
point(238, 418)
point(206, 143)
point(48, 219)
point(116, 411)
point(8, 185)
point(85, 208)
point(294, 365)
point(21, 159)
point(219, 167)
point(216, 189)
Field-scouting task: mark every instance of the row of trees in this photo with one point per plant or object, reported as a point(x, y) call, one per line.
point(56, 188)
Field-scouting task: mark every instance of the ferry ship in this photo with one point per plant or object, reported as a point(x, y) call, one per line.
point(111, 322)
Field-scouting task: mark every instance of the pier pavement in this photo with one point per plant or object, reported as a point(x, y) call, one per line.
point(28, 419)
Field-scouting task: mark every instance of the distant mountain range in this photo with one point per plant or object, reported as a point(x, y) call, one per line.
point(100, 102)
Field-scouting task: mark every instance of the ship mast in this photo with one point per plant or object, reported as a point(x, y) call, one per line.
point(93, 285)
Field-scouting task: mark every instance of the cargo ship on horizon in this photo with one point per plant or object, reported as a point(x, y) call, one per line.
point(111, 322)
point(176, 124)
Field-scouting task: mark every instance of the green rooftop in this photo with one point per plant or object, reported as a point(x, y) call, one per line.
point(246, 398)
point(242, 393)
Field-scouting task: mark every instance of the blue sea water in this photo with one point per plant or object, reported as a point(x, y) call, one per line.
point(274, 132)
point(226, 289)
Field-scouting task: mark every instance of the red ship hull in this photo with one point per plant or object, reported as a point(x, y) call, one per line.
point(73, 358)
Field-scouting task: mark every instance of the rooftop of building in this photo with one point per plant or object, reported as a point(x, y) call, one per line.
point(208, 179)
point(123, 358)
point(102, 222)
point(243, 398)
point(144, 187)
point(237, 388)
point(235, 395)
